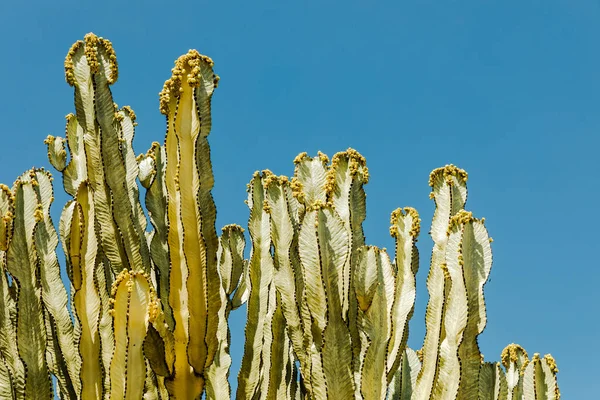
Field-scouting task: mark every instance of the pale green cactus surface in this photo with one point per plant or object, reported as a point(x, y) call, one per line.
point(145, 314)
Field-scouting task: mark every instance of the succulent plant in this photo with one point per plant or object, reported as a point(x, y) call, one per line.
point(146, 307)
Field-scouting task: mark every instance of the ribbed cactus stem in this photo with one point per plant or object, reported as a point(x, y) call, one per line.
point(327, 315)
point(539, 379)
point(514, 359)
point(449, 193)
point(195, 287)
point(133, 301)
point(152, 170)
point(22, 264)
point(82, 254)
point(405, 228)
point(63, 359)
point(253, 378)
point(230, 259)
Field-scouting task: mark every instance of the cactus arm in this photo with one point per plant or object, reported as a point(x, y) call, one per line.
point(345, 179)
point(477, 262)
point(57, 153)
point(6, 216)
point(79, 73)
point(9, 351)
point(514, 360)
point(366, 277)
point(230, 256)
point(12, 365)
point(539, 379)
point(403, 382)
point(104, 278)
point(21, 264)
point(283, 237)
point(127, 119)
point(125, 212)
point(75, 171)
point(83, 250)
point(152, 176)
point(185, 101)
point(492, 382)
point(261, 301)
point(326, 244)
point(313, 274)
point(183, 250)
point(159, 349)
point(310, 178)
point(455, 316)
point(405, 228)
point(377, 325)
point(449, 192)
point(63, 359)
point(203, 95)
point(240, 296)
point(134, 300)
point(217, 374)
point(281, 360)
point(549, 371)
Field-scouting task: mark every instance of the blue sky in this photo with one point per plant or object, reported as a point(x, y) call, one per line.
point(508, 90)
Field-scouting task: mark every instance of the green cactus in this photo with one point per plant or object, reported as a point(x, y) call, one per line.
point(149, 304)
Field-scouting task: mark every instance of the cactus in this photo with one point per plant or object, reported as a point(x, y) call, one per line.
point(146, 311)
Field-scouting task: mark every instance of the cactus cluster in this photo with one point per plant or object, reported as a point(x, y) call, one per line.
point(146, 313)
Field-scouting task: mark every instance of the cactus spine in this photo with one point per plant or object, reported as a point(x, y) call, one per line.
point(327, 314)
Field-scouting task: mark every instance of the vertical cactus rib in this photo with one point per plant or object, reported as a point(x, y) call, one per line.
point(206, 82)
point(345, 179)
point(492, 382)
point(83, 253)
point(9, 351)
point(403, 382)
point(455, 313)
point(288, 276)
point(8, 308)
point(22, 264)
point(449, 192)
point(281, 360)
point(476, 261)
point(377, 323)
point(405, 228)
point(63, 359)
point(152, 175)
point(230, 259)
point(333, 248)
point(6, 216)
point(134, 301)
point(262, 301)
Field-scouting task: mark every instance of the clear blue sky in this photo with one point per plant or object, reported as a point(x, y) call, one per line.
point(508, 90)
